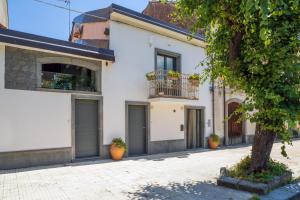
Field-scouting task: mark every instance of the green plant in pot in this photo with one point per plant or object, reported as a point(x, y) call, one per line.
point(213, 141)
point(151, 76)
point(118, 148)
point(173, 75)
point(194, 79)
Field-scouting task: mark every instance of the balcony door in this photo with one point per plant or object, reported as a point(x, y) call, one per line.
point(166, 61)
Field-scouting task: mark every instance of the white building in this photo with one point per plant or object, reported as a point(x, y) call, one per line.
point(62, 101)
point(48, 88)
point(152, 117)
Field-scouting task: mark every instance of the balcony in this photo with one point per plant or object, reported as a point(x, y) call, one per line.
point(181, 86)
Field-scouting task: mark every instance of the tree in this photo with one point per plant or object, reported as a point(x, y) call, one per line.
point(253, 46)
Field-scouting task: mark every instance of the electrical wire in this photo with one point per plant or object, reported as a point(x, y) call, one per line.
point(71, 10)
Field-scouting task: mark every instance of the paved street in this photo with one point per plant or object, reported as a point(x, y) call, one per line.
point(185, 175)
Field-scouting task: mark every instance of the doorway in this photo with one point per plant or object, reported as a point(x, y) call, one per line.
point(194, 128)
point(137, 130)
point(86, 128)
point(235, 127)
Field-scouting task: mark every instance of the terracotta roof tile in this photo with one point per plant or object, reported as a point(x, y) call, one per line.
point(163, 12)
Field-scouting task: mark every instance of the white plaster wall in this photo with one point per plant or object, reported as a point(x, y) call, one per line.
point(32, 120)
point(125, 79)
point(165, 123)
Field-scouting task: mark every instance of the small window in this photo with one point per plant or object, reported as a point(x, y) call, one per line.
point(67, 77)
point(167, 60)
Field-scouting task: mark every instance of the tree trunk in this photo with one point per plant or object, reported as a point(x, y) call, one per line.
point(235, 48)
point(261, 149)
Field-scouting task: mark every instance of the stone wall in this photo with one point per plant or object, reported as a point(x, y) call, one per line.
point(21, 66)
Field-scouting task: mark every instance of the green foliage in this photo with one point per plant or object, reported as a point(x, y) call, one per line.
point(255, 197)
point(173, 74)
point(215, 138)
point(195, 77)
point(241, 171)
point(119, 143)
point(253, 46)
point(150, 76)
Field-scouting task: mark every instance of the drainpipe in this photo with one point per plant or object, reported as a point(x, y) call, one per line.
point(213, 106)
point(224, 110)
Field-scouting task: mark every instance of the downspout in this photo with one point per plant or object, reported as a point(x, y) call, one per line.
point(224, 112)
point(213, 106)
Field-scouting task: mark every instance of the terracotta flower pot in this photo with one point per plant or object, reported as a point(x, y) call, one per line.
point(117, 153)
point(195, 82)
point(173, 78)
point(212, 144)
point(151, 78)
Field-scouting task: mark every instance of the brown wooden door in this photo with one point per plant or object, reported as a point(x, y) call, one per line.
point(235, 128)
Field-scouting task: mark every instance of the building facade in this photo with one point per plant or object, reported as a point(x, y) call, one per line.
point(62, 101)
point(3, 14)
point(159, 115)
point(229, 128)
point(50, 97)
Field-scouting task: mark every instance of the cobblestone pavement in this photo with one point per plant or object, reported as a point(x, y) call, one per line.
point(184, 175)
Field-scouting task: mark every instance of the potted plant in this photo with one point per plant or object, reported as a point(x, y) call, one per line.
point(150, 76)
point(118, 148)
point(213, 141)
point(194, 79)
point(173, 75)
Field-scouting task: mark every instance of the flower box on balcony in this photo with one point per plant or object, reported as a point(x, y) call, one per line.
point(173, 75)
point(194, 80)
point(151, 76)
point(171, 84)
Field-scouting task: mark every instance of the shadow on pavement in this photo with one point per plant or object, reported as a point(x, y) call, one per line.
point(190, 190)
point(144, 158)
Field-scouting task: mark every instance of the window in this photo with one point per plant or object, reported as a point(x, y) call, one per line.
point(80, 41)
point(167, 60)
point(67, 77)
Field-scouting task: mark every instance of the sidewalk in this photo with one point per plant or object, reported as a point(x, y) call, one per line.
point(183, 175)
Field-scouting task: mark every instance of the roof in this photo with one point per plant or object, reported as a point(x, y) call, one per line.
point(39, 42)
point(164, 12)
point(99, 15)
point(106, 12)
point(161, 11)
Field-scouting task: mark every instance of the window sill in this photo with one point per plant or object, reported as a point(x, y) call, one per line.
point(68, 91)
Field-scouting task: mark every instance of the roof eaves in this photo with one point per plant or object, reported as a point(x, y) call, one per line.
point(45, 43)
point(151, 20)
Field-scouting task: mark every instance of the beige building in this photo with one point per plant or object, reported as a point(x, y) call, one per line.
point(3, 14)
point(229, 129)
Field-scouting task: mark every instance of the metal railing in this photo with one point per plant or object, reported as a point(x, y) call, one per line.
point(161, 85)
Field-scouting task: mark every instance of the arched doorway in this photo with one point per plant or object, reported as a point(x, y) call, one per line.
point(235, 128)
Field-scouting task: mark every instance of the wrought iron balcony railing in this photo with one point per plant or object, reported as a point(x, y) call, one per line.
point(162, 85)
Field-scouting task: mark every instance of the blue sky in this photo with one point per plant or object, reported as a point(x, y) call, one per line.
point(37, 18)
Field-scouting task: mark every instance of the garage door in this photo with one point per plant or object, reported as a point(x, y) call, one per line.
point(86, 129)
